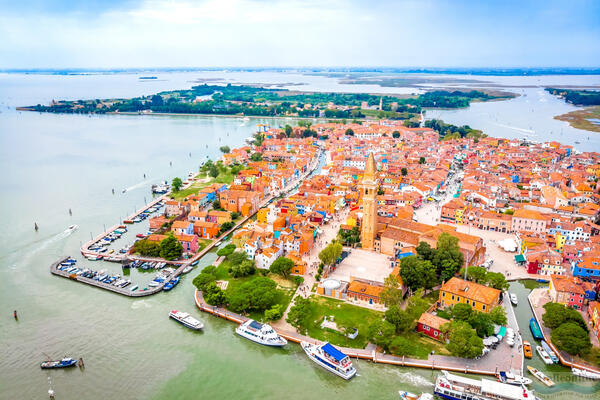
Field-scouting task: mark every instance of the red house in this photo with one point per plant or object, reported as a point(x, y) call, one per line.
point(431, 325)
point(189, 242)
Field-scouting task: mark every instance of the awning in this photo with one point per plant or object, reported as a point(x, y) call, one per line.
point(520, 258)
point(502, 333)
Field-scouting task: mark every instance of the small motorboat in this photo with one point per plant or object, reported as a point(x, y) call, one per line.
point(540, 375)
point(134, 288)
point(64, 363)
point(527, 349)
point(535, 329)
point(514, 299)
point(187, 269)
point(544, 356)
point(585, 373)
point(186, 320)
point(513, 379)
point(411, 396)
point(72, 228)
point(550, 352)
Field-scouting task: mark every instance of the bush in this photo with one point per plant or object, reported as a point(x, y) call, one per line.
point(225, 226)
point(214, 295)
point(203, 280)
point(235, 215)
point(245, 268)
point(298, 280)
point(227, 250)
point(210, 269)
point(318, 277)
point(237, 257)
point(274, 313)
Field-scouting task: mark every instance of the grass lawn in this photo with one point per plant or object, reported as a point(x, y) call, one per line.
point(344, 314)
point(423, 346)
point(223, 177)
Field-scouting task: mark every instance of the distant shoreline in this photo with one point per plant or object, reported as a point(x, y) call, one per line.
point(579, 119)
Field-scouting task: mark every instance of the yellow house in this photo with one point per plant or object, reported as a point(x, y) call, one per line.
point(560, 241)
point(261, 215)
point(459, 215)
point(480, 297)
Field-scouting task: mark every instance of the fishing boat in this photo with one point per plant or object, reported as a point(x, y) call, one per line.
point(330, 358)
point(550, 352)
point(540, 375)
point(260, 333)
point(455, 387)
point(411, 396)
point(585, 373)
point(544, 356)
point(535, 329)
point(514, 299)
point(186, 320)
point(64, 363)
point(527, 349)
point(513, 379)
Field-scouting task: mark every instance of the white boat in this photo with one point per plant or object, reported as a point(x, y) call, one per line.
point(411, 396)
point(186, 320)
point(514, 299)
point(330, 358)
point(541, 376)
point(513, 379)
point(187, 269)
point(94, 258)
point(71, 228)
point(550, 352)
point(585, 373)
point(455, 387)
point(542, 353)
point(260, 333)
point(134, 288)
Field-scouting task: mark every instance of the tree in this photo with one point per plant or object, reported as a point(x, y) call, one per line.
point(395, 134)
point(557, 314)
point(157, 100)
point(417, 305)
point(176, 184)
point(349, 237)
point(214, 295)
point(147, 248)
point(330, 253)
point(462, 340)
point(256, 157)
point(482, 323)
point(401, 319)
point(381, 333)
point(498, 315)
point(274, 313)
point(299, 312)
point(170, 248)
point(235, 215)
point(236, 258)
point(447, 258)
point(403, 346)
point(282, 266)
point(244, 268)
point(288, 130)
point(225, 149)
point(474, 273)
point(496, 280)
point(349, 132)
point(213, 171)
point(257, 294)
point(216, 204)
point(227, 250)
point(392, 293)
point(421, 160)
point(404, 171)
point(462, 311)
point(202, 280)
point(425, 251)
point(417, 273)
point(571, 338)
point(225, 226)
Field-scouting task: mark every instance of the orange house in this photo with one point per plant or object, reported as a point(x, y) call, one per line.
point(206, 230)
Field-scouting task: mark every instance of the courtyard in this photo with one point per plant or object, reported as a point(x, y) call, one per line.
point(362, 264)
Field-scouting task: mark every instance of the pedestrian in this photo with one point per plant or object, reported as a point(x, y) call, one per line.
point(15, 315)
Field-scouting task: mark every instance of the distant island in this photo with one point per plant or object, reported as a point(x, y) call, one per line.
point(246, 100)
point(587, 118)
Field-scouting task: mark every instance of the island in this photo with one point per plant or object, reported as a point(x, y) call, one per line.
point(587, 118)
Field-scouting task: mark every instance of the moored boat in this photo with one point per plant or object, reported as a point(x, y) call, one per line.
point(260, 333)
point(541, 376)
point(544, 356)
point(535, 329)
point(186, 320)
point(411, 396)
point(187, 269)
point(64, 363)
point(455, 387)
point(527, 349)
point(585, 373)
point(513, 379)
point(134, 288)
point(550, 352)
point(514, 299)
point(330, 358)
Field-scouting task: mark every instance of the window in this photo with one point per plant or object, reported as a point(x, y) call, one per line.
point(483, 307)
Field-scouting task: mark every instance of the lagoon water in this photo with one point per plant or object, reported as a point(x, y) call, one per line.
point(53, 163)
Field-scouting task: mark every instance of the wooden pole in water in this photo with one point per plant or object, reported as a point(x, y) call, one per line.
point(35, 226)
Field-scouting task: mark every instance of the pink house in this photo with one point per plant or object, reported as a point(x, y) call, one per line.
point(189, 242)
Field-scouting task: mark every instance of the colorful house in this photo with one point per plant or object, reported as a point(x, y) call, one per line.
point(480, 297)
point(587, 267)
point(431, 325)
point(182, 228)
point(189, 242)
point(206, 230)
point(594, 317)
point(565, 290)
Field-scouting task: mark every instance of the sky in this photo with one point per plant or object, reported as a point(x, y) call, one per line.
point(288, 33)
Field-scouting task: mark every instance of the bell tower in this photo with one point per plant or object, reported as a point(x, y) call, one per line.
point(368, 188)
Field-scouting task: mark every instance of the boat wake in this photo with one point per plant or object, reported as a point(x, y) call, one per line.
point(136, 305)
point(137, 186)
point(413, 379)
point(515, 128)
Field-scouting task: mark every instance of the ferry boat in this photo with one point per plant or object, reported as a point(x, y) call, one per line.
point(64, 363)
point(541, 376)
point(513, 379)
point(542, 353)
point(514, 299)
point(585, 373)
point(260, 333)
point(527, 349)
point(535, 329)
point(455, 387)
point(186, 320)
point(330, 358)
point(550, 352)
point(411, 396)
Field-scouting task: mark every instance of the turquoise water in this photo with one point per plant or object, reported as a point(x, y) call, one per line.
point(130, 347)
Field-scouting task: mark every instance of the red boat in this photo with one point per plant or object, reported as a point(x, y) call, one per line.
point(140, 235)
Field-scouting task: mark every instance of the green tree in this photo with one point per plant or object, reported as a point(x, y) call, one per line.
point(482, 323)
point(257, 294)
point(496, 280)
point(425, 251)
point(571, 338)
point(227, 250)
point(349, 237)
point(235, 215)
point(274, 313)
point(256, 157)
point(176, 184)
point(170, 248)
point(392, 292)
point(416, 304)
point(214, 295)
point(402, 320)
point(462, 311)
point(404, 171)
point(381, 333)
point(288, 131)
point(225, 149)
point(349, 132)
point(213, 171)
point(225, 226)
point(462, 340)
point(557, 314)
point(237, 257)
point(282, 266)
point(147, 248)
point(202, 280)
point(421, 160)
point(475, 274)
point(299, 313)
point(244, 268)
point(403, 346)
point(447, 258)
point(417, 273)
point(498, 315)
point(330, 253)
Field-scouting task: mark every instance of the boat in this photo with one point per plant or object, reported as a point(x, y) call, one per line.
point(542, 353)
point(527, 349)
point(260, 333)
point(330, 358)
point(535, 329)
point(186, 320)
point(513, 379)
point(71, 228)
point(455, 387)
point(585, 373)
point(411, 396)
point(540, 375)
point(187, 269)
point(64, 363)
point(550, 352)
point(171, 284)
point(94, 258)
point(513, 299)
point(134, 288)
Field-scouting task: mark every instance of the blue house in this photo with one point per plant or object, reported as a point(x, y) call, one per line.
point(587, 268)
